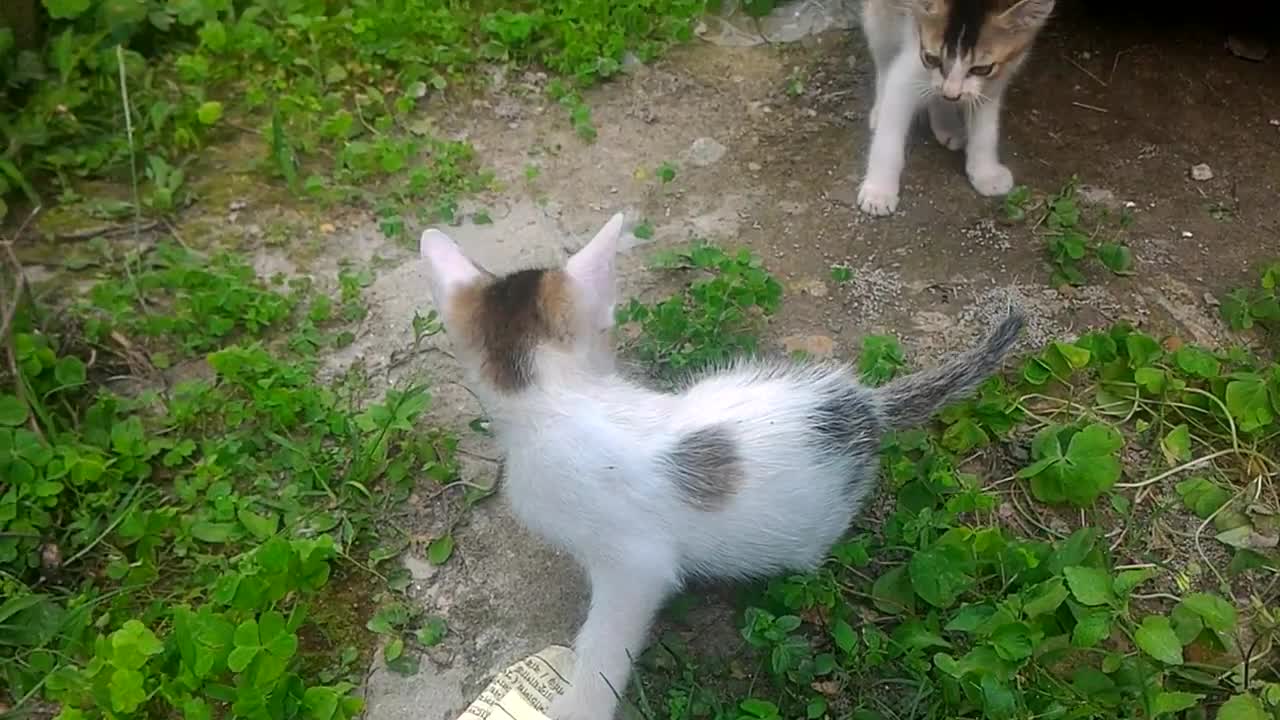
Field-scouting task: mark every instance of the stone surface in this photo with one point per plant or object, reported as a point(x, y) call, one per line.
point(705, 151)
point(505, 595)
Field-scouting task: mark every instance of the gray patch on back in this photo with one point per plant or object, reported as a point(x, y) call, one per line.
point(706, 467)
point(848, 426)
point(847, 422)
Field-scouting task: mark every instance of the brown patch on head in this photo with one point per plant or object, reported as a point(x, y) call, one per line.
point(931, 28)
point(508, 318)
point(1001, 47)
point(706, 467)
point(984, 32)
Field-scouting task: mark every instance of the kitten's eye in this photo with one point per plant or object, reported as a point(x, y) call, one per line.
point(982, 70)
point(930, 60)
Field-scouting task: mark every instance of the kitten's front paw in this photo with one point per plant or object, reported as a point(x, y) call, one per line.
point(991, 180)
point(877, 200)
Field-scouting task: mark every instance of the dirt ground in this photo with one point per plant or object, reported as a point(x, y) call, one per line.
point(769, 143)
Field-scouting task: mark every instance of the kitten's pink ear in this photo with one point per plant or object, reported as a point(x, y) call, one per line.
point(447, 267)
point(1027, 15)
point(593, 269)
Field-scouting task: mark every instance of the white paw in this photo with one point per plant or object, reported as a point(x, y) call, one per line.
point(991, 180)
point(875, 115)
point(878, 200)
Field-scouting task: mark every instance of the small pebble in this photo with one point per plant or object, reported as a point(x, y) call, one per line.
point(705, 151)
point(1201, 172)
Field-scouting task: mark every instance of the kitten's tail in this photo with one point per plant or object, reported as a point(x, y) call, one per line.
point(913, 399)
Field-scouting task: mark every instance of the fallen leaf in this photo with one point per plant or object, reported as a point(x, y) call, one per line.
point(830, 688)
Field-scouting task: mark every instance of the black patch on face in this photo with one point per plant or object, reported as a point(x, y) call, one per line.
point(512, 323)
point(965, 19)
point(847, 423)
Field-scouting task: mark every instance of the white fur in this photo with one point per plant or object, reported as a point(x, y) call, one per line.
point(963, 109)
point(585, 468)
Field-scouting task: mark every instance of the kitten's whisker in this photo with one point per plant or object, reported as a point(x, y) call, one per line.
point(919, 85)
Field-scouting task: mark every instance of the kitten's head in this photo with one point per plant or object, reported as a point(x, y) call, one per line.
point(502, 326)
point(970, 45)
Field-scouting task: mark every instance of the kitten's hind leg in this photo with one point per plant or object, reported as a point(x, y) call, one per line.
point(947, 121)
point(624, 601)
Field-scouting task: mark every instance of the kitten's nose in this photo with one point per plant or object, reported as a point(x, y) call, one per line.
point(951, 98)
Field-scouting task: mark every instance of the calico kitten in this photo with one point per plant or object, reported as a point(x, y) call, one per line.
point(956, 57)
point(748, 471)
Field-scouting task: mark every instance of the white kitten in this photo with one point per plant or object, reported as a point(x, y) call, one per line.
point(956, 57)
point(748, 471)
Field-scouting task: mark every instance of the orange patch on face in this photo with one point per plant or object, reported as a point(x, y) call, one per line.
point(931, 28)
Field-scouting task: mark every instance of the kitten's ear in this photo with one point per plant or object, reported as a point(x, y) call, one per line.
point(1027, 15)
point(447, 267)
point(592, 268)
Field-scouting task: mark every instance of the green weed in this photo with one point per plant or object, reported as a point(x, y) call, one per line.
point(1069, 240)
point(335, 89)
point(188, 303)
point(842, 273)
point(1015, 204)
point(1015, 574)
point(666, 173)
point(713, 320)
point(880, 360)
point(162, 553)
point(795, 86)
point(1243, 308)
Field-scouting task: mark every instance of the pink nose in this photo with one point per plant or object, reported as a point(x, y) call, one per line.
point(948, 96)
